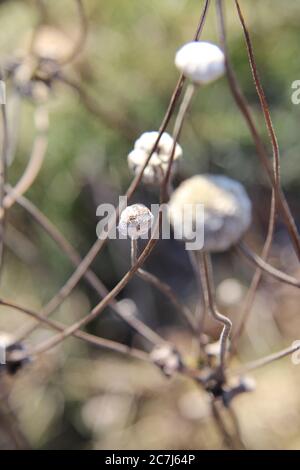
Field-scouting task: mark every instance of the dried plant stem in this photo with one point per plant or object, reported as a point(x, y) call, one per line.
point(71, 283)
point(51, 342)
point(107, 116)
point(184, 107)
point(266, 360)
point(208, 289)
point(220, 424)
point(262, 98)
point(201, 311)
point(80, 41)
point(164, 288)
point(34, 164)
point(3, 168)
point(250, 296)
point(260, 148)
point(266, 267)
point(91, 339)
point(9, 421)
point(90, 276)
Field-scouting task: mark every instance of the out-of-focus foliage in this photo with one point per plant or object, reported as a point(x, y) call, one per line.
point(77, 397)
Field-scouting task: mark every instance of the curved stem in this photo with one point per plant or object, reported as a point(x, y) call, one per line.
point(164, 288)
point(73, 280)
point(208, 287)
point(3, 165)
point(184, 107)
point(34, 164)
point(91, 339)
point(80, 41)
point(266, 267)
point(250, 296)
point(266, 360)
point(260, 148)
point(97, 310)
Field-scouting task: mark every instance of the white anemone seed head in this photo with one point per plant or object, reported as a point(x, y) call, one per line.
point(167, 358)
point(135, 221)
point(158, 164)
point(227, 210)
point(201, 62)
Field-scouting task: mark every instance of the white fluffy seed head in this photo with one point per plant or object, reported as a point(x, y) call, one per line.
point(158, 164)
point(227, 210)
point(201, 62)
point(167, 358)
point(135, 221)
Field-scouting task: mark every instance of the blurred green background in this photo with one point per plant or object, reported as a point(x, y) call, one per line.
point(79, 397)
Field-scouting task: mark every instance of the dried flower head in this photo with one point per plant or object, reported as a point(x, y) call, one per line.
point(135, 221)
point(241, 385)
point(7, 348)
point(158, 164)
point(167, 358)
point(52, 43)
point(227, 210)
point(201, 62)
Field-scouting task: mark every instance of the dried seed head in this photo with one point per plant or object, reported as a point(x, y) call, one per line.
point(135, 221)
point(8, 347)
point(158, 164)
point(201, 62)
point(167, 358)
point(52, 43)
point(227, 210)
point(241, 385)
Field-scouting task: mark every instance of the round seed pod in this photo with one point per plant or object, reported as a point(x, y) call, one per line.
point(200, 61)
point(158, 164)
point(227, 210)
point(167, 358)
point(135, 221)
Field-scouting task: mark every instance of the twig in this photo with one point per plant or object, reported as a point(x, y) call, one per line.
point(184, 107)
point(91, 339)
point(164, 288)
point(51, 342)
point(266, 360)
point(107, 116)
point(261, 151)
point(71, 283)
point(3, 166)
point(266, 267)
point(80, 41)
point(208, 288)
point(34, 164)
point(250, 296)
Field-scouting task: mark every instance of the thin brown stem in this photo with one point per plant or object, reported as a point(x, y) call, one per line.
point(266, 360)
point(91, 339)
point(250, 296)
point(208, 288)
point(184, 107)
point(90, 276)
point(71, 283)
point(266, 267)
point(55, 340)
point(164, 288)
point(260, 148)
point(3, 167)
point(35, 162)
point(80, 41)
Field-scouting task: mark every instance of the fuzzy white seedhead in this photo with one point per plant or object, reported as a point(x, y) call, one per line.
point(201, 62)
point(158, 164)
point(227, 210)
point(135, 221)
point(167, 358)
